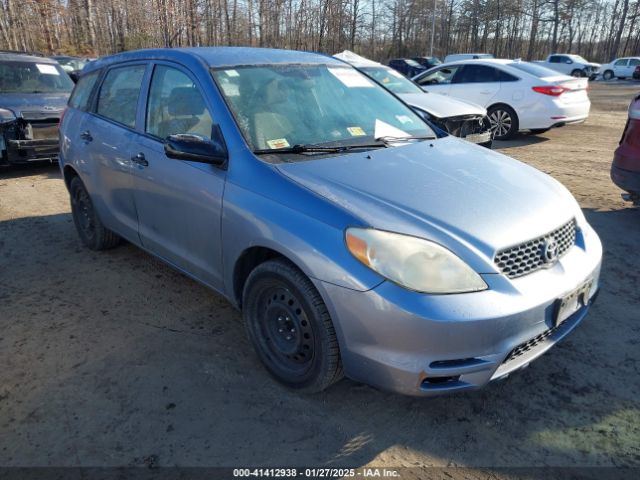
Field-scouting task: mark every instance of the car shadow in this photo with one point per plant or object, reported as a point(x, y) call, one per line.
point(521, 140)
point(118, 358)
point(50, 170)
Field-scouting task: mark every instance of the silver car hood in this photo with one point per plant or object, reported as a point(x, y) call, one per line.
point(466, 197)
point(442, 106)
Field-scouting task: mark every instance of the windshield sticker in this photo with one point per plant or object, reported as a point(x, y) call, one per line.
point(404, 119)
point(385, 130)
point(350, 77)
point(356, 131)
point(47, 69)
point(278, 143)
point(232, 73)
point(230, 89)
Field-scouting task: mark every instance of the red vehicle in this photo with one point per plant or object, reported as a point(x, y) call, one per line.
point(625, 171)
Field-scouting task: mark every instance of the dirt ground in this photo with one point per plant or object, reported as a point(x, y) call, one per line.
point(113, 359)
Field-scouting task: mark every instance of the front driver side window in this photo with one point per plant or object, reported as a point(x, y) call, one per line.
point(442, 76)
point(175, 105)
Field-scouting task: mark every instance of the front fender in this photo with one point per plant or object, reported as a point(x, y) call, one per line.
point(251, 219)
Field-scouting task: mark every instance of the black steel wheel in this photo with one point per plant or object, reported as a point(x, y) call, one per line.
point(290, 328)
point(504, 122)
point(90, 229)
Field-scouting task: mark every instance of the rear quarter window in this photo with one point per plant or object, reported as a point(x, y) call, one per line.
point(119, 92)
point(81, 95)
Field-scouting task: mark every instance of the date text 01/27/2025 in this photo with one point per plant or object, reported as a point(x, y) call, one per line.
point(315, 473)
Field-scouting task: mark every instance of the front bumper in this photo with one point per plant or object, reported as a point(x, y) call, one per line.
point(627, 180)
point(24, 151)
point(420, 344)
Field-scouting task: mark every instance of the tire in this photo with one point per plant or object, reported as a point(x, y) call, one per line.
point(577, 73)
point(504, 122)
point(90, 229)
point(538, 131)
point(608, 75)
point(290, 328)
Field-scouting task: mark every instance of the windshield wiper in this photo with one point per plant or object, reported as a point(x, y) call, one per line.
point(387, 139)
point(298, 149)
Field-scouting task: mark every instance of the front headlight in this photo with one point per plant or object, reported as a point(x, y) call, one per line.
point(6, 115)
point(412, 262)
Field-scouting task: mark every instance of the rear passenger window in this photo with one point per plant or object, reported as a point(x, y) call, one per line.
point(176, 105)
point(119, 94)
point(477, 74)
point(634, 62)
point(82, 91)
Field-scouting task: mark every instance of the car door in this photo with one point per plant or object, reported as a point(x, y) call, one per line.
point(620, 67)
point(631, 66)
point(179, 202)
point(438, 80)
point(107, 134)
point(476, 83)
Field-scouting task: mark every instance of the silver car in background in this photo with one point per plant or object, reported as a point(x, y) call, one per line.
point(460, 118)
point(354, 238)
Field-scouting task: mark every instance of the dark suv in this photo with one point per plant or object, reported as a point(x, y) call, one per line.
point(33, 94)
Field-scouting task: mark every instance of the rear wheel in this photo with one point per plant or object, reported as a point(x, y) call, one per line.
point(290, 327)
point(504, 122)
point(90, 229)
point(608, 75)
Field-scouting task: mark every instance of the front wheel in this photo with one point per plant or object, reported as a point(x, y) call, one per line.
point(577, 73)
point(290, 328)
point(608, 75)
point(504, 122)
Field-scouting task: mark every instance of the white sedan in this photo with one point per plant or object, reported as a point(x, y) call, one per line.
point(620, 68)
point(517, 95)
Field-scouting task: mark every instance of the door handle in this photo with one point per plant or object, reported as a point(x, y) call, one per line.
point(86, 136)
point(140, 160)
point(486, 92)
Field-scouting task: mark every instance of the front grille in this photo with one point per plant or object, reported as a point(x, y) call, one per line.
point(530, 256)
point(535, 341)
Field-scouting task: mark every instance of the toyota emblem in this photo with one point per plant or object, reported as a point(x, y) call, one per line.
point(550, 250)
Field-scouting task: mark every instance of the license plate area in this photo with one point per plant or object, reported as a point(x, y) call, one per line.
point(572, 302)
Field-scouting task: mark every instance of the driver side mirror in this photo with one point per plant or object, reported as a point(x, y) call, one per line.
point(189, 146)
point(568, 61)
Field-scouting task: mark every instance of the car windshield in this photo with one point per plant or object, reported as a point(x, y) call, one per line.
point(392, 80)
point(535, 70)
point(412, 63)
point(578, 59)
point(280, 106)
point(33, 77)
point(70, 63)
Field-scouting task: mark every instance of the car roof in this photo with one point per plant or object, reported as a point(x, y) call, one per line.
point(218, 56)
point(476, 61)
point(24, 57)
